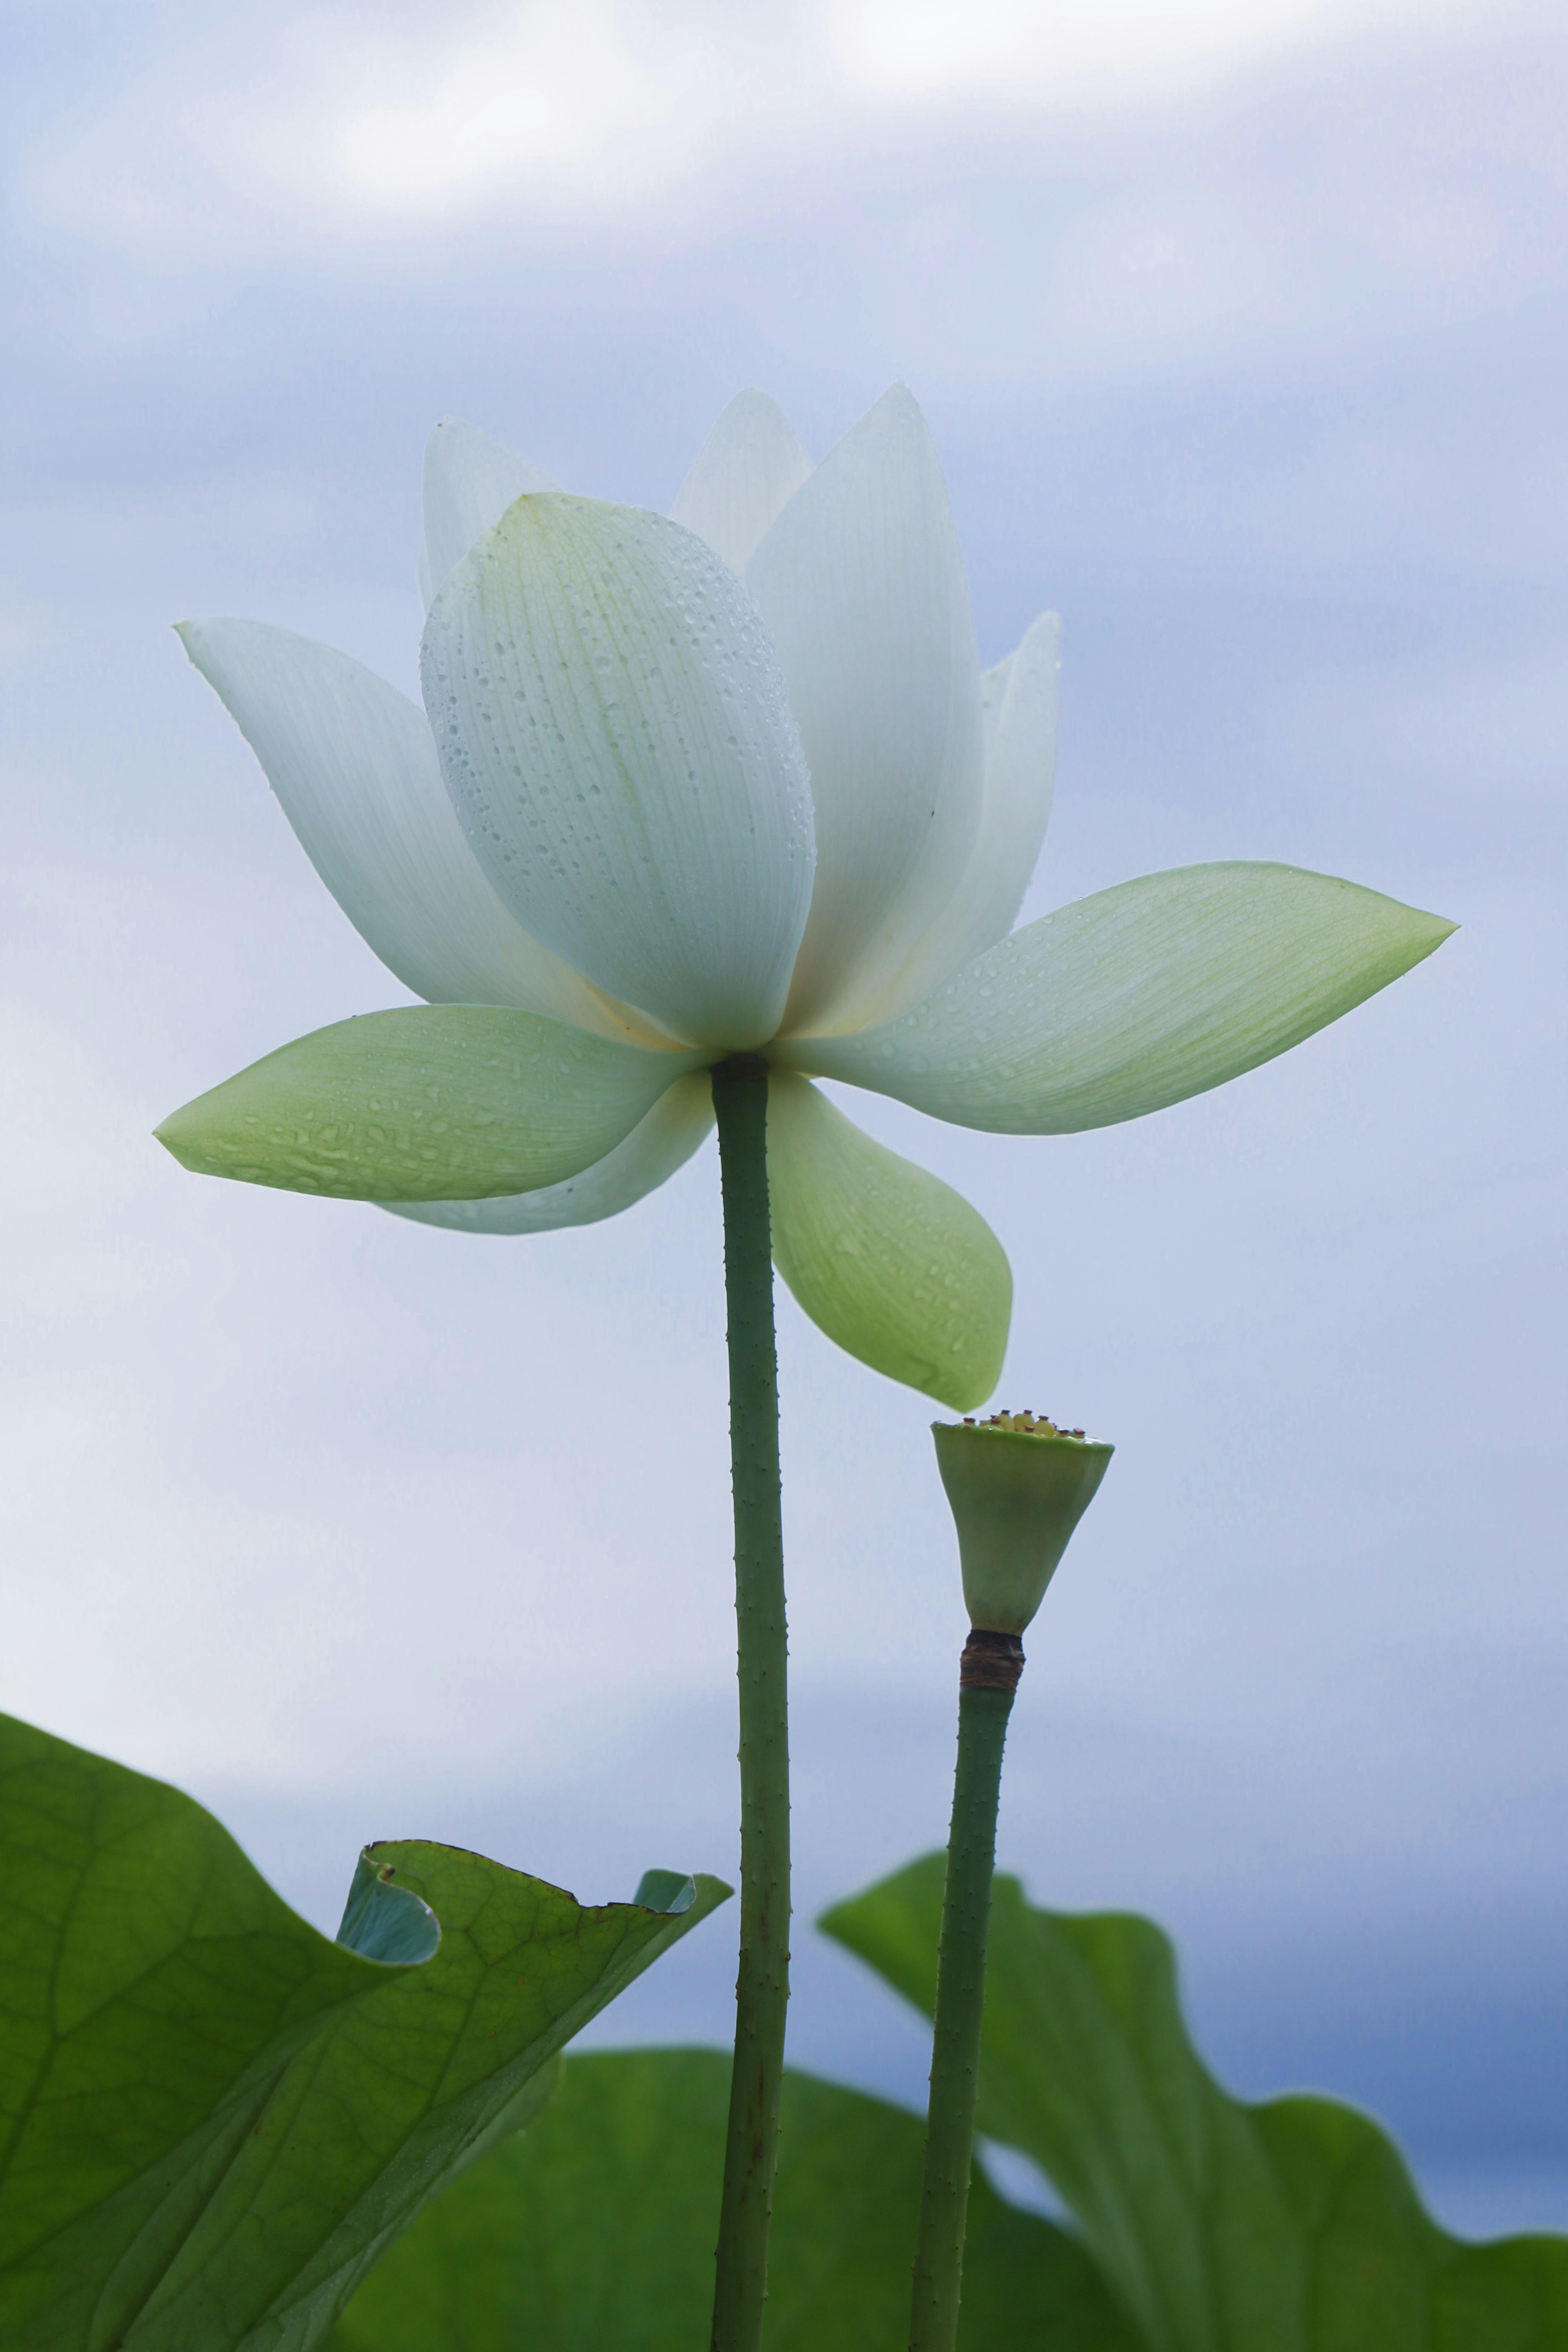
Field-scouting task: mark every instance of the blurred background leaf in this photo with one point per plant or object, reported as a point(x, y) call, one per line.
point(1292, 2224)
point(594, 2232)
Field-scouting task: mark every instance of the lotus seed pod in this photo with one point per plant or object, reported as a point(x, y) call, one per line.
point(1018, 1486)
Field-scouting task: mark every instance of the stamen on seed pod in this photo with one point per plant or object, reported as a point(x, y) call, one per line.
point(1025, 1424)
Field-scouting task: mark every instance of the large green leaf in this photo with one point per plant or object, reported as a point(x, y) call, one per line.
point(212, 2119)
point(429, 1102)
point(594, 2232)
point(1289, 2227)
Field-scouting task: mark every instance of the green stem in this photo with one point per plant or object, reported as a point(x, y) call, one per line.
point(987, 1677)
point(762, 1989)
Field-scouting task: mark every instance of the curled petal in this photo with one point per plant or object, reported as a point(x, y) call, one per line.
point(888, 1261)
point(861, 584)
point(434, 1102)
point(617, 740)
point(662, 1142)
point(1136, 998)
point(470, 480)
point(746, 472)
point(1020, 714)
point(354, 763)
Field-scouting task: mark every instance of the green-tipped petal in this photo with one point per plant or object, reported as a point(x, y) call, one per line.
point(1136, 998)
point(886, 1259)
point(679, 1120)
point(439, 1102)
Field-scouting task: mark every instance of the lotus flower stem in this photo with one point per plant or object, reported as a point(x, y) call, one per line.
point(987, 1676)
point(762, 1989)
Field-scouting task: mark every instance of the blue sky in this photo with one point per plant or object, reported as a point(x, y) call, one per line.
point(1241, 331)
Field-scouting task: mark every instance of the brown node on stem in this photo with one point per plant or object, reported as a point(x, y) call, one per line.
point(991, 1662)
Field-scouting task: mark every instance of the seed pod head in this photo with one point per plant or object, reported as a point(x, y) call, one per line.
point(1018, 1486)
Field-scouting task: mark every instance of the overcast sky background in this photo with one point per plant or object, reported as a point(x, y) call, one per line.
point(1241, 330)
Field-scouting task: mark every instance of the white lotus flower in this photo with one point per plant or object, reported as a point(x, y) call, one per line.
point(728, 783)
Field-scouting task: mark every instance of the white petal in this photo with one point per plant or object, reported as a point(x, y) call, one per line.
point(615, 734)
point(1020, 711)
point(470, 480)
point(861, 584)
point(1136, 998)
point(747, 471)
point(354, 763)
point(992, 694)
point(664, 1141)
point(892, 1264)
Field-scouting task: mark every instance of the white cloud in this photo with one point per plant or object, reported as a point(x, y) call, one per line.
point(1014, 52)
point(570, 110)
point(339, 124)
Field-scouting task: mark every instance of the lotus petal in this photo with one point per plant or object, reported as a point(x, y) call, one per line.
point(860, 581)
point(1136, 998)
point(433, 1102)
point(662, 1142)
point(1019, 701)
point(746, 472)
point(354, 763)
point(892, 1264)
point(616, 737)
point(470, 480)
